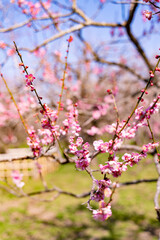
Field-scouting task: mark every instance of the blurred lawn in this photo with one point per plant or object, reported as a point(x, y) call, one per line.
point(66, 218)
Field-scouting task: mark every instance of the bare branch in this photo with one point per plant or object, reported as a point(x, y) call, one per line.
point(24, 155)
point(79, 12)
point(60, 191)
point(137, 182)
point(22, 24)
point(129, 3)
point(10, 190)
point(16, 26)
point(60, 5)
point(57, 36)
point(50, 15)
point(74, 29)
point(82, 195)
point(133, 39)
point(101, 60)
point(74, 4)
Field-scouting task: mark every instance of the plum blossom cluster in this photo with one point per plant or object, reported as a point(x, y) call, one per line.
point(3, 46)
point(29, 7)
point(153, 6)
point(133, 158)
point(17, 179)
point(71, 124)
point(129, 132)
point(51, 130)
point(82, 155)
point(34, 142)
point(109, 147)
point(103, 190)
point(149, 147)
point(49, 117)
point(113, 167)
point(93, 131)
point(146, 114)
point(46, 136)
point(147, 14)
point(141, 115)
point(101, 146)
point(103, 213)
point(29, 81)
point(100, 111)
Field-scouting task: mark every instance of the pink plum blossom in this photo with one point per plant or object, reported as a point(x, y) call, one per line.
point(2, 45)
point(113, 167)
point(29, 81)
point(34, 142)
point(148, 14)
point(17, 179)
point(102, 191)
point(103, 213)
point(94, 130)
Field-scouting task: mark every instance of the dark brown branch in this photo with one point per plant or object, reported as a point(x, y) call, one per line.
point(125, 67)
point(82, 195)
point(60, 191)
point(128, 3)
point(152, 3)
point(133, 39)
point(137, 182)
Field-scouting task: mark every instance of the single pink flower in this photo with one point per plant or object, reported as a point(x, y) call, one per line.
point(148, 14)
point(17, 178)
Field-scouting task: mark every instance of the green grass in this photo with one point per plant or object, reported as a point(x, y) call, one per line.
point(67, 218)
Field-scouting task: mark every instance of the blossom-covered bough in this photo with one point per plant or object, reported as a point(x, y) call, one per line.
point(52, 127)
point(51, 132)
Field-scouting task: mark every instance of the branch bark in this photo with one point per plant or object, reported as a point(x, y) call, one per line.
point(157, 194)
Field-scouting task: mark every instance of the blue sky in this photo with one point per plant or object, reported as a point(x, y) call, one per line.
point(111, 12)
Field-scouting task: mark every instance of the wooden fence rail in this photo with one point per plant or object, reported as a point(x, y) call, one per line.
point(27, 166)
